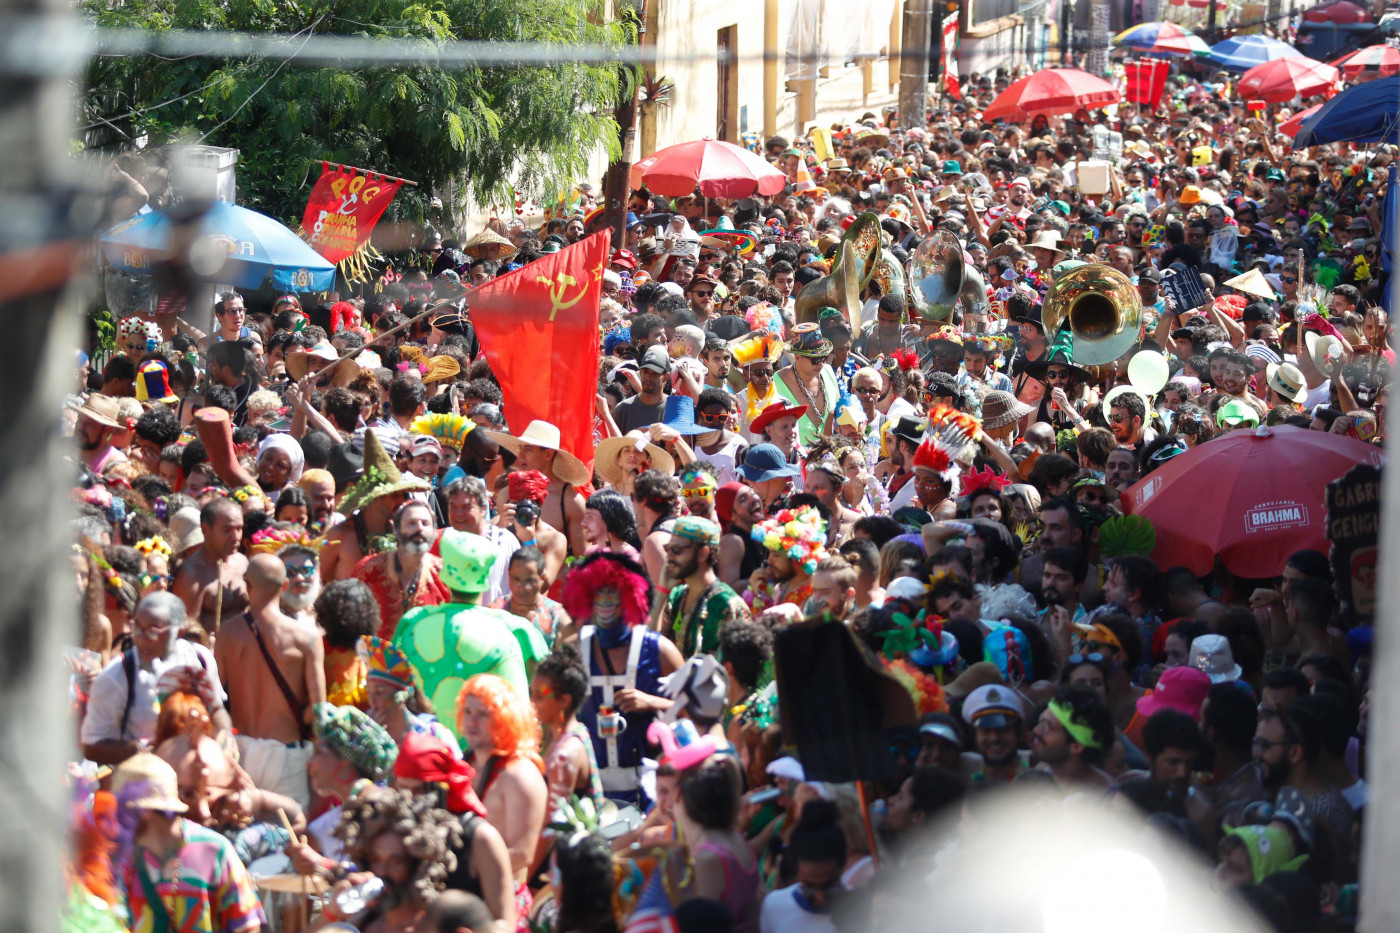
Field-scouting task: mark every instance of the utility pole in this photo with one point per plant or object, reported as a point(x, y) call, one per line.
point(616, 182)
point(913, 67)
point(1100, 22)
point(39, 246)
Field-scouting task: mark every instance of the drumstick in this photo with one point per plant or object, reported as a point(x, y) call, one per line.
point(305, 881)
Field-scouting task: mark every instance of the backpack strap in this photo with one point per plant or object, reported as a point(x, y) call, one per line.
point(128, 668)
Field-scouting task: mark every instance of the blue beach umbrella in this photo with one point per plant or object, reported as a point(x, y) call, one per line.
point(1241, 53)
point(1364, 113)
point(234, 245)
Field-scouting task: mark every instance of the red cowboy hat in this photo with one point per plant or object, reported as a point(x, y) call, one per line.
point(773, 413)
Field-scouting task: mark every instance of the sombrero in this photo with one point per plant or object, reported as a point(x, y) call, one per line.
point(741, 242)
point(567, 467)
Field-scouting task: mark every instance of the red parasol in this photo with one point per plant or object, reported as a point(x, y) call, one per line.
point(720, 169)
point(1252, 497)
point(1283, 79)
point(1380, 61)
point(1339, 13)
point(1293, 124)
point(1054, 90)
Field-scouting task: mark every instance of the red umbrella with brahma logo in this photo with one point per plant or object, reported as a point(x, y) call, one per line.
point(1253, 497)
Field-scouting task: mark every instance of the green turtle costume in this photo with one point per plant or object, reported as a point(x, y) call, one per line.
point(451, 643)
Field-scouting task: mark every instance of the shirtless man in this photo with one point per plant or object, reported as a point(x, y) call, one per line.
point(216, 568)
point(369, 506)
point(528, 524)
point(508, 782)
point(274, 671)
point(538, 448)
point(344, 549)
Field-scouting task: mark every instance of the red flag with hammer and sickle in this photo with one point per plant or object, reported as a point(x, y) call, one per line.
point(538, 327)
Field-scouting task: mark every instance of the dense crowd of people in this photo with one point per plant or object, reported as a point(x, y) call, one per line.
point(356, 650)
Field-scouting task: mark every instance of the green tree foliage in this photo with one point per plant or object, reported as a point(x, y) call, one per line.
point(483, 129)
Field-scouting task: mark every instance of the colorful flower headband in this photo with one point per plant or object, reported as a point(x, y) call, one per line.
point(798, 533)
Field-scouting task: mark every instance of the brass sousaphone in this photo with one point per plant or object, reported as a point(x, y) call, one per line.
point(1103, 308)
point(864, 237)
point(837, 290)
point(939, 277)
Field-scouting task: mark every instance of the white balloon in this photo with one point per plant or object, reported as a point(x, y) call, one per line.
point(1148, 372)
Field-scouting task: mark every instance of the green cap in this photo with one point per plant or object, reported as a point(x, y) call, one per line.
point(1235, 413)
point(699, 530)
point(361, 741)
point(1061, 269)
point(467, 560)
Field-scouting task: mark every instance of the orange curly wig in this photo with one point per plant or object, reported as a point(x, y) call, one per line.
point(515, 732)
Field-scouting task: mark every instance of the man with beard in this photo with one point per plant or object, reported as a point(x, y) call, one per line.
point(1288, 746)
point(1061, 576)
point(303, 583)
point(700, 604)
point(996, 714)
point(1235, 371)
point(369, 506)
point(741, 507)
point(833, 589)
point(406, 842)
point(1064, 524)
point(1121, 468)
point(1127, 417)
point(1173, 743)
point(97, 422)
point(210, 581)
point(787, 579)
point(1072, 739)
point(319, 486)
point(274, 672)
point(407, 577)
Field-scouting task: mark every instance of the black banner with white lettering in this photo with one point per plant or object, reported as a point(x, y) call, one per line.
point(1353, 527)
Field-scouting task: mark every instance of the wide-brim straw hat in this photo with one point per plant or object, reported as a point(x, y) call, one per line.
point(607, 454)
point(566, 467)
point(488, 244)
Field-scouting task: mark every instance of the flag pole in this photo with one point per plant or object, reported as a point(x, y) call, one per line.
point(388, 333)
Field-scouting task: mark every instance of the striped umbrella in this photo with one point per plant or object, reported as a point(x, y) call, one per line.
point(1161, 37)
point(1378, 61)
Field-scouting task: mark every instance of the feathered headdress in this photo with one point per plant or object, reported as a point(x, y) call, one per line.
point(763, 318)
point(955, 431)
point(933, 457)
point(450, 430)
point(904, 359)
point(752, 349)
point(986, 478)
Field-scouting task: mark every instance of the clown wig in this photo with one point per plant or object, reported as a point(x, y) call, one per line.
point(515, 732)
point(604, 569)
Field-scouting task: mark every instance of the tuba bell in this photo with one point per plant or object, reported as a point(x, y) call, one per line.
point(864, 238)
point(1103, 309)
point(939, 277)
point(889, 274)
point(837, 290)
